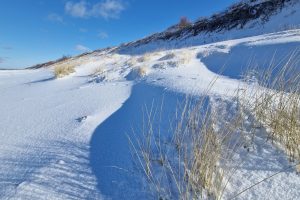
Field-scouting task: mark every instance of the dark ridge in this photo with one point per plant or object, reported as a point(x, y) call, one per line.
point(46, 64)
point(236, 16)
point(65, 58)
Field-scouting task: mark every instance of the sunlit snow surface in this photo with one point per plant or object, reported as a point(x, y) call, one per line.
point(67, 138)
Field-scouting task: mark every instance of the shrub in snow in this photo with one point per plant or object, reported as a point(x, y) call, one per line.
point(184, 23)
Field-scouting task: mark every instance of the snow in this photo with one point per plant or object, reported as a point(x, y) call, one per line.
point(44, 150)
point(67, 138)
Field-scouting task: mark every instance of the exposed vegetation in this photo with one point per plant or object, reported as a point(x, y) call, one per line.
point(276, 104)
point(197, 161)
point(140, 71)
point(63, 69)
point(144, 58)
point(236, 16)
point(192, 164)
point(47, 64)
point(185, 57)
point(184, 23)
point(98, 71)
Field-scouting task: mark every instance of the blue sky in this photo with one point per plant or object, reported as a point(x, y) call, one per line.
point(35, 31)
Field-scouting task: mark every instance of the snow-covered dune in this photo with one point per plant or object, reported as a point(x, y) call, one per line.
point(68, 138)
point(46, 125)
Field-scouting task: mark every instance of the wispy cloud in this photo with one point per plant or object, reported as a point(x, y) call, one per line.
point(82, 48)
point(108, 9)
point(102, 35)
point(83, 30)
point(76, 9)
point(2, 60)
point(7, 47)
point(53, 17)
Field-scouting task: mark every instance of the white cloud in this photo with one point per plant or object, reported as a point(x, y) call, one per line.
point(107, 9)
point(76, 9)
point(2, 60)
point(102, 35)
point(83, 30)
point(7, 48)
point(80, 47)
point(55, 18)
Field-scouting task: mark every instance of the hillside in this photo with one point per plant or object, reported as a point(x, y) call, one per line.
point(243, 19)
point(126, 122)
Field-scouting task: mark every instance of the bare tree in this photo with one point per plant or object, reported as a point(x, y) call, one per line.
point(184, 22)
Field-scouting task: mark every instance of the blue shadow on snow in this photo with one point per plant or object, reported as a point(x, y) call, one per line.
point(242, 57)
point(110, 155)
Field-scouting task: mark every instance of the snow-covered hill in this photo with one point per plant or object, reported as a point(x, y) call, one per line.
point(243, 19)
point(67, 138)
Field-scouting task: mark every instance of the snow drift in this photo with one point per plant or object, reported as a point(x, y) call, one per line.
point(67, 137)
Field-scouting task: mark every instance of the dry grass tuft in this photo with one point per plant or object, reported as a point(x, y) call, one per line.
point(185, 57)
point(140, 71)
point(144, 58)
point(98, 71)
point(196, 161)
point(131, 62)
point(190, 165)
point(298, 168)
point(63, 69)
point(137, 72)
point(276, 104)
